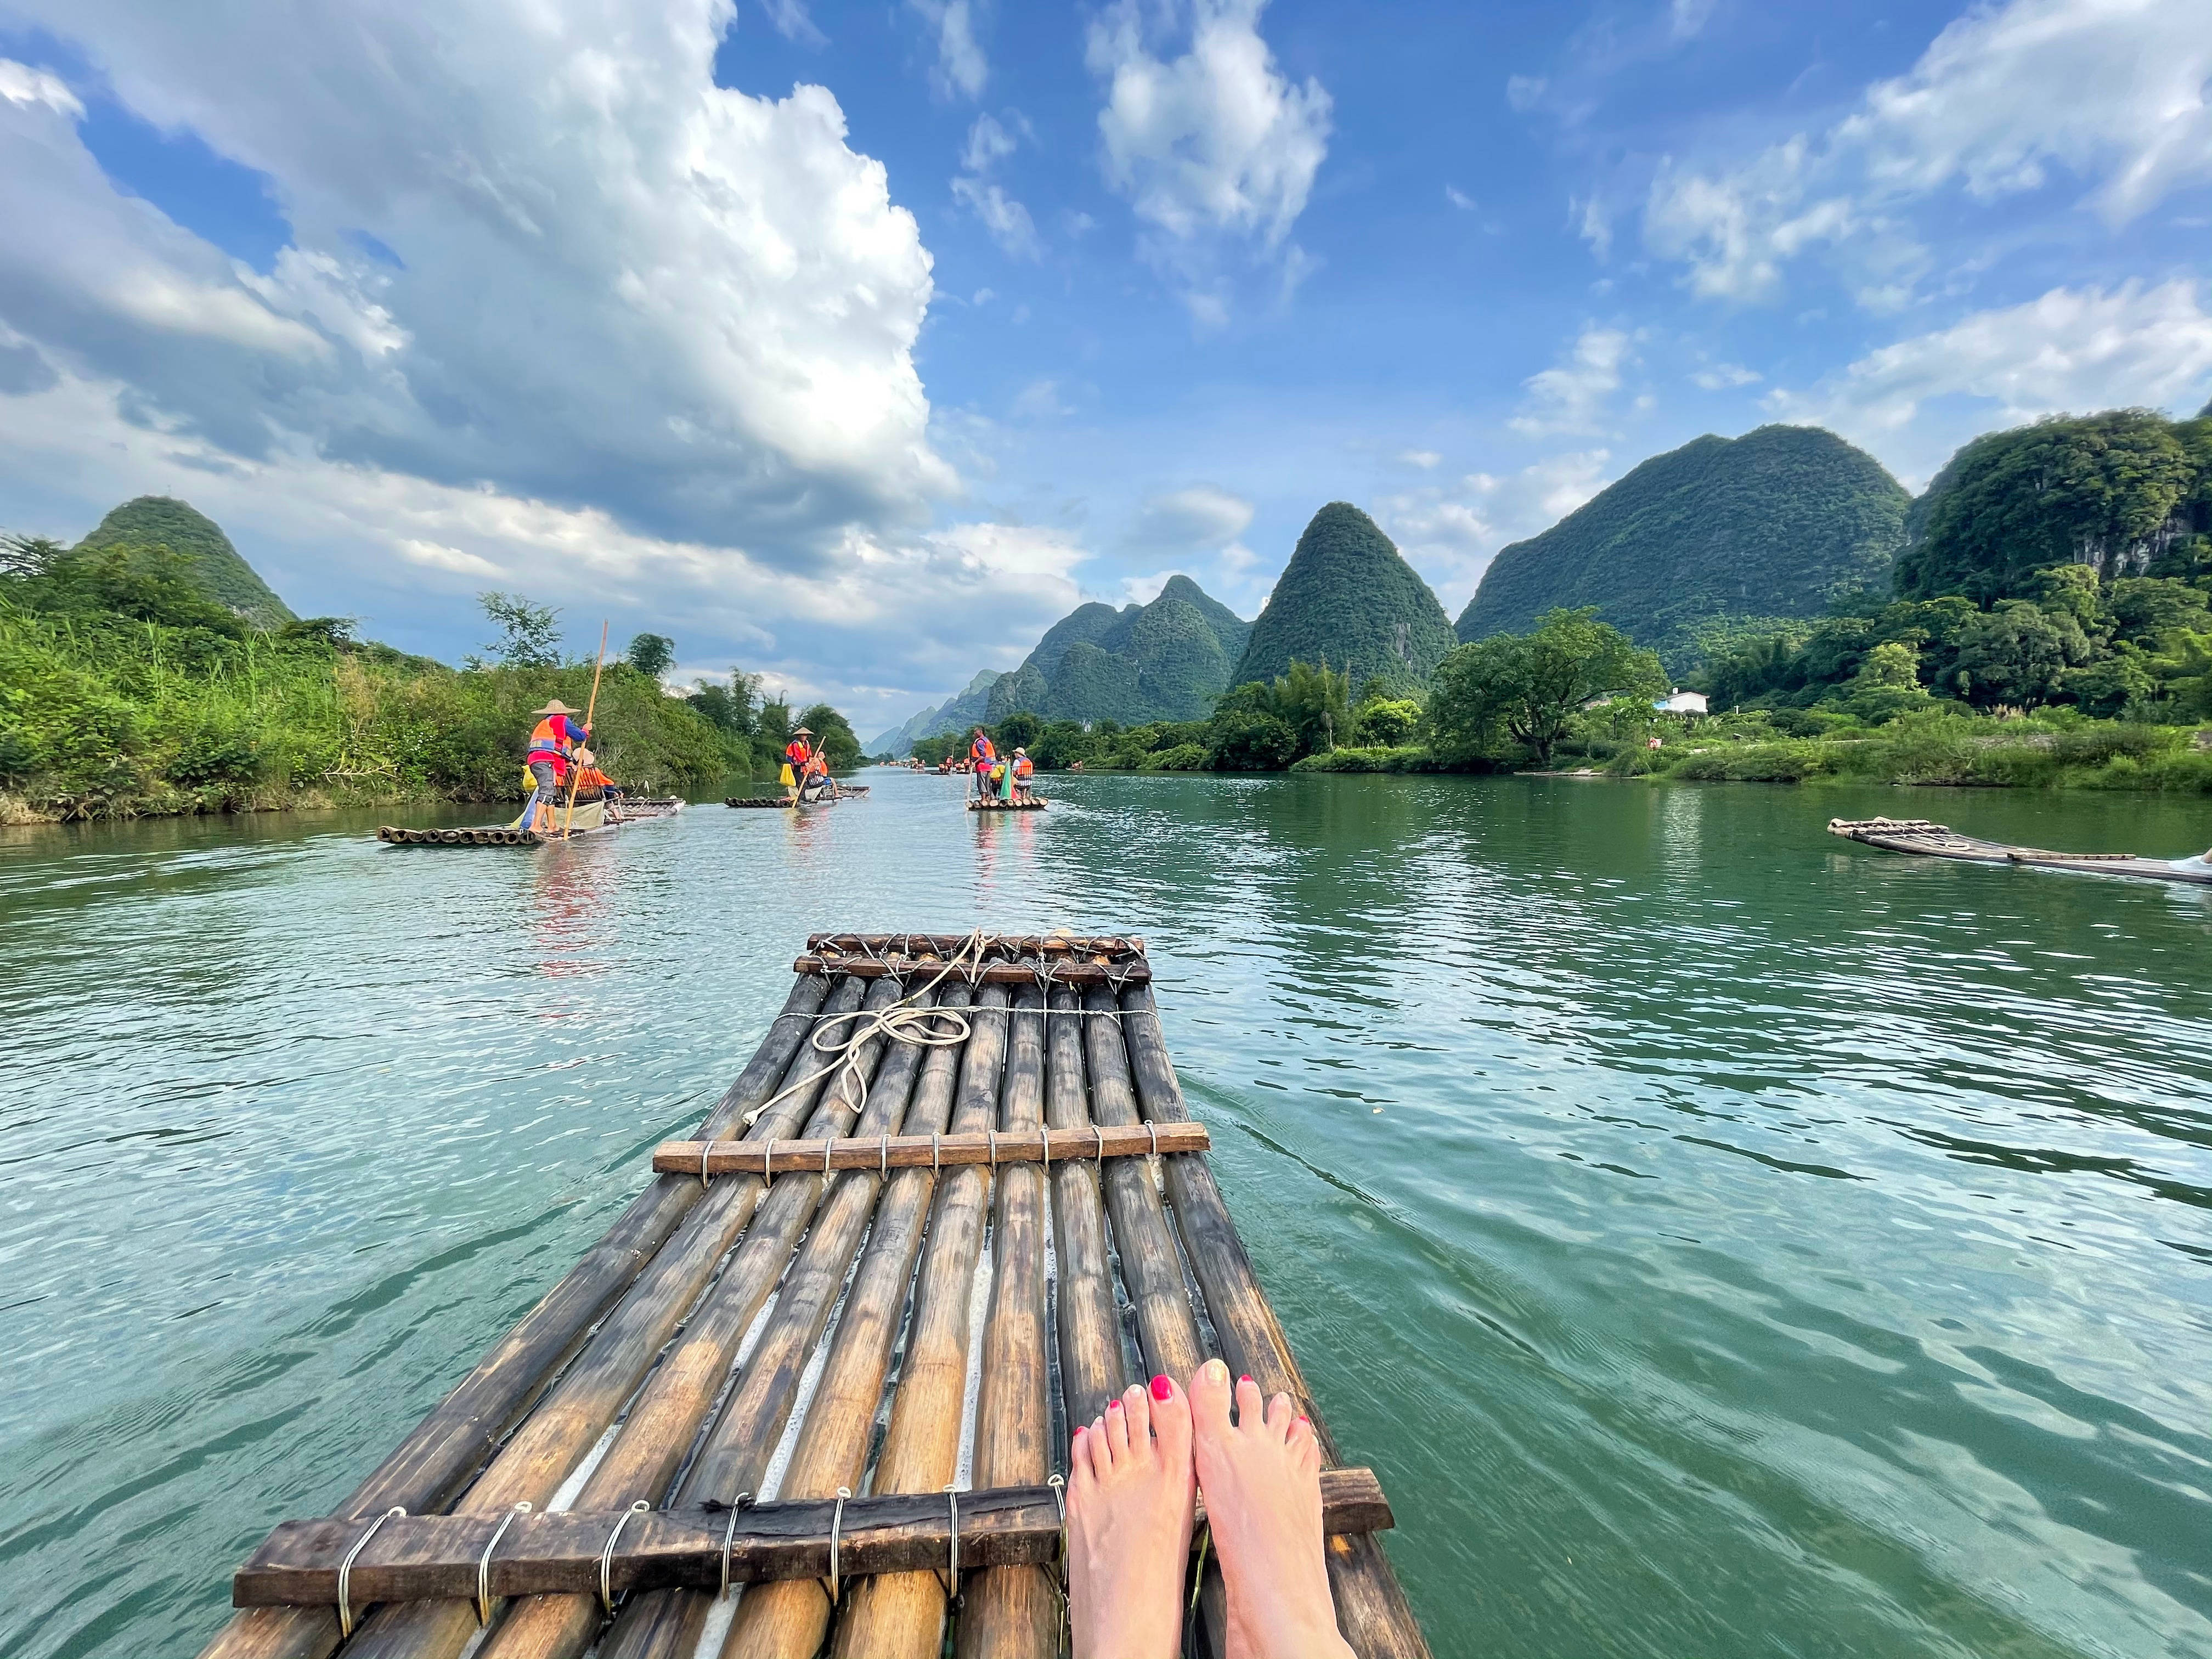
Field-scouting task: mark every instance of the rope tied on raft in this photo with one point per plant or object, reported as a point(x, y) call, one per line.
point(925, 1028)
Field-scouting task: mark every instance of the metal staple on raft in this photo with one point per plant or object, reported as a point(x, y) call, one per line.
point(828, 1142)
point(729, 1539)
point(883, 1163)
point(993, 1136)
point(483, 1564)
point(935, 1167)
point(345, 1569)
point(952, 1562)
point(1059, 1485)
point(607, 1556)
point(836, 1521)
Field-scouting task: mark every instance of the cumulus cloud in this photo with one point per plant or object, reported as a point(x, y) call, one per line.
point(1721, 376)
point(1424, 459)
point(2073, 349)
point(1573, 394)
point(2109, 92)
point(618, 283)
point(1449, 531)
point(1214, 148)
point(791, 20)
point(961, 68)
point(1200, 518)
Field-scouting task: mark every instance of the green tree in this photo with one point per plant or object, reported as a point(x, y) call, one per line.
point(529, 636)
point(832, 736)
point(931, 751)
point(1531, 685)
point(2017, 655)
point(1019, 730)
point(1388, 722)
point(1316, 703)
point(652, 654)
point(1887, 684)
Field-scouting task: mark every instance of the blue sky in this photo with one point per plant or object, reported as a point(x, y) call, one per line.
point(853, 344)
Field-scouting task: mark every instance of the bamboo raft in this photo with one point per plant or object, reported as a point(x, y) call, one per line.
point(760, 800)
point(1940, 841)
point(794, 800)
point(1034, 804)
point(964, 1101)
point(594, 823)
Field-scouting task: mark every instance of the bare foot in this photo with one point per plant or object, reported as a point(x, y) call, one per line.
point(1129, 1501)
point(1262, 1478)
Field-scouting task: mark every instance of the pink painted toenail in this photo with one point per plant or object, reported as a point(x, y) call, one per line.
point(1162, 1388)
point(1113, 1405)
point(1243, 1379)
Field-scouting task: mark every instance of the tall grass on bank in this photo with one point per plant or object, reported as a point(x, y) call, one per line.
point(106, 716)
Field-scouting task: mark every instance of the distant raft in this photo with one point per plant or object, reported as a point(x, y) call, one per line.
point(590, 819)
point(1941, 842)
point(760, 800)
point(1034, 804)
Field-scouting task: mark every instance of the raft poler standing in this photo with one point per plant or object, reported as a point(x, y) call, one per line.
point(982, 751)
point(796, 755)
point(555, 741)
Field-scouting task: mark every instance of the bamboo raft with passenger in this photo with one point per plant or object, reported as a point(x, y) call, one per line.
point(1030, 804)
point(680, 1440)
point(589, 819)
point(1940, 841)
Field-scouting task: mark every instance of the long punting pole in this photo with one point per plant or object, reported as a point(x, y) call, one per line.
point(789, 1619)
point(902, 1615)
point(1371, 1609)
point(1013, 1613)
point(591, 708)
point(664, 1424)
point(452, 1443)
point(531, 1466)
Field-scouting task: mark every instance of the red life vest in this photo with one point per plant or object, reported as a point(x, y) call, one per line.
point(796, 752)
point(551, 737)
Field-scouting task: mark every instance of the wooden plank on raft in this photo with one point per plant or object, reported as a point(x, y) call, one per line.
point(1013, 1612)
point(1134, 972)
point(1373, 1613)
point(1115, 947)
point(454, 1441)
point(539, 1455)
point(789, 1619)
point(880, 1153)
point(436, 1557)
point(664, 1422)
point(902, 1615)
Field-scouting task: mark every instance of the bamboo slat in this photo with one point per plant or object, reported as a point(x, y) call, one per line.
point(1371, 1609)
point(789, 1619)
point(1013, 1613)
point(902, 1615)
point(453, 1442)
point(570, 1419)
point(665, 1420)
point(1092, 1369)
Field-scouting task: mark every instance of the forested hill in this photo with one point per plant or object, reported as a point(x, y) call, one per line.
point(1772, 524)
point(1348, 598)
point(213, 566)
point(1167, 661)
point(2126, 493)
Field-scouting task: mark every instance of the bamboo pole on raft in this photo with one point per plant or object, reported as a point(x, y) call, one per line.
point(788, 1619)
point(535, 1461)
point(449, 1446)
point(1092, 1369)
point(1371, 1609)
point(591, 708)
point(1013, 1613)
point(665, 1420)
point(902, 1615)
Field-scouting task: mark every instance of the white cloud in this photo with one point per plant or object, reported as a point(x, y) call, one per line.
point(21, 84)
point(1721, 376)
point(1202, 519)
point(1449, 531)
point(1524, 92)
point(2112, 93)
point(961, 68)
point(621, 285)
point(1424, 459)
point(1459, 199)
point(1572, 395)
point(438, 557)
point(1687, 19)
point(1040, 400)
point(2073, 349)
point(790, 19)
point(1593, 223)
point(1215, 149)
point(1007, 220)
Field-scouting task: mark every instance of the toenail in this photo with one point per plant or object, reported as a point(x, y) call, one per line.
point(1243, 1379)
point(1162, 1388)
point(1304, 1418)
point(1216, 1371)
point(1113, 1405)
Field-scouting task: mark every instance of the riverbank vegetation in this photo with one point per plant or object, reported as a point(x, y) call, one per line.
point(125, 688)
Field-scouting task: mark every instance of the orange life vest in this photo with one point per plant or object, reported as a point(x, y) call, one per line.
point(1023, 769)
point(551, 737)
point(982, 749)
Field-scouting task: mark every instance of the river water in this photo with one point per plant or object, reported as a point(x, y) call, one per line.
point(1724, 1240)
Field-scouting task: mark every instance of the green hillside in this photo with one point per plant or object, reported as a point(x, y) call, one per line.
point(1167, 661)
point(1348, 600)
point(1772, 524)
point(216, 568)
point(2126, 493)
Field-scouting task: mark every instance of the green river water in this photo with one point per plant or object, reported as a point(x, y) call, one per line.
point(1723, 1239)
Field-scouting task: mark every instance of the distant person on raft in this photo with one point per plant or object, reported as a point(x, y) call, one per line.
point(555, 741)
point(982, 751)
point(796, 755)
point(1024, 769)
